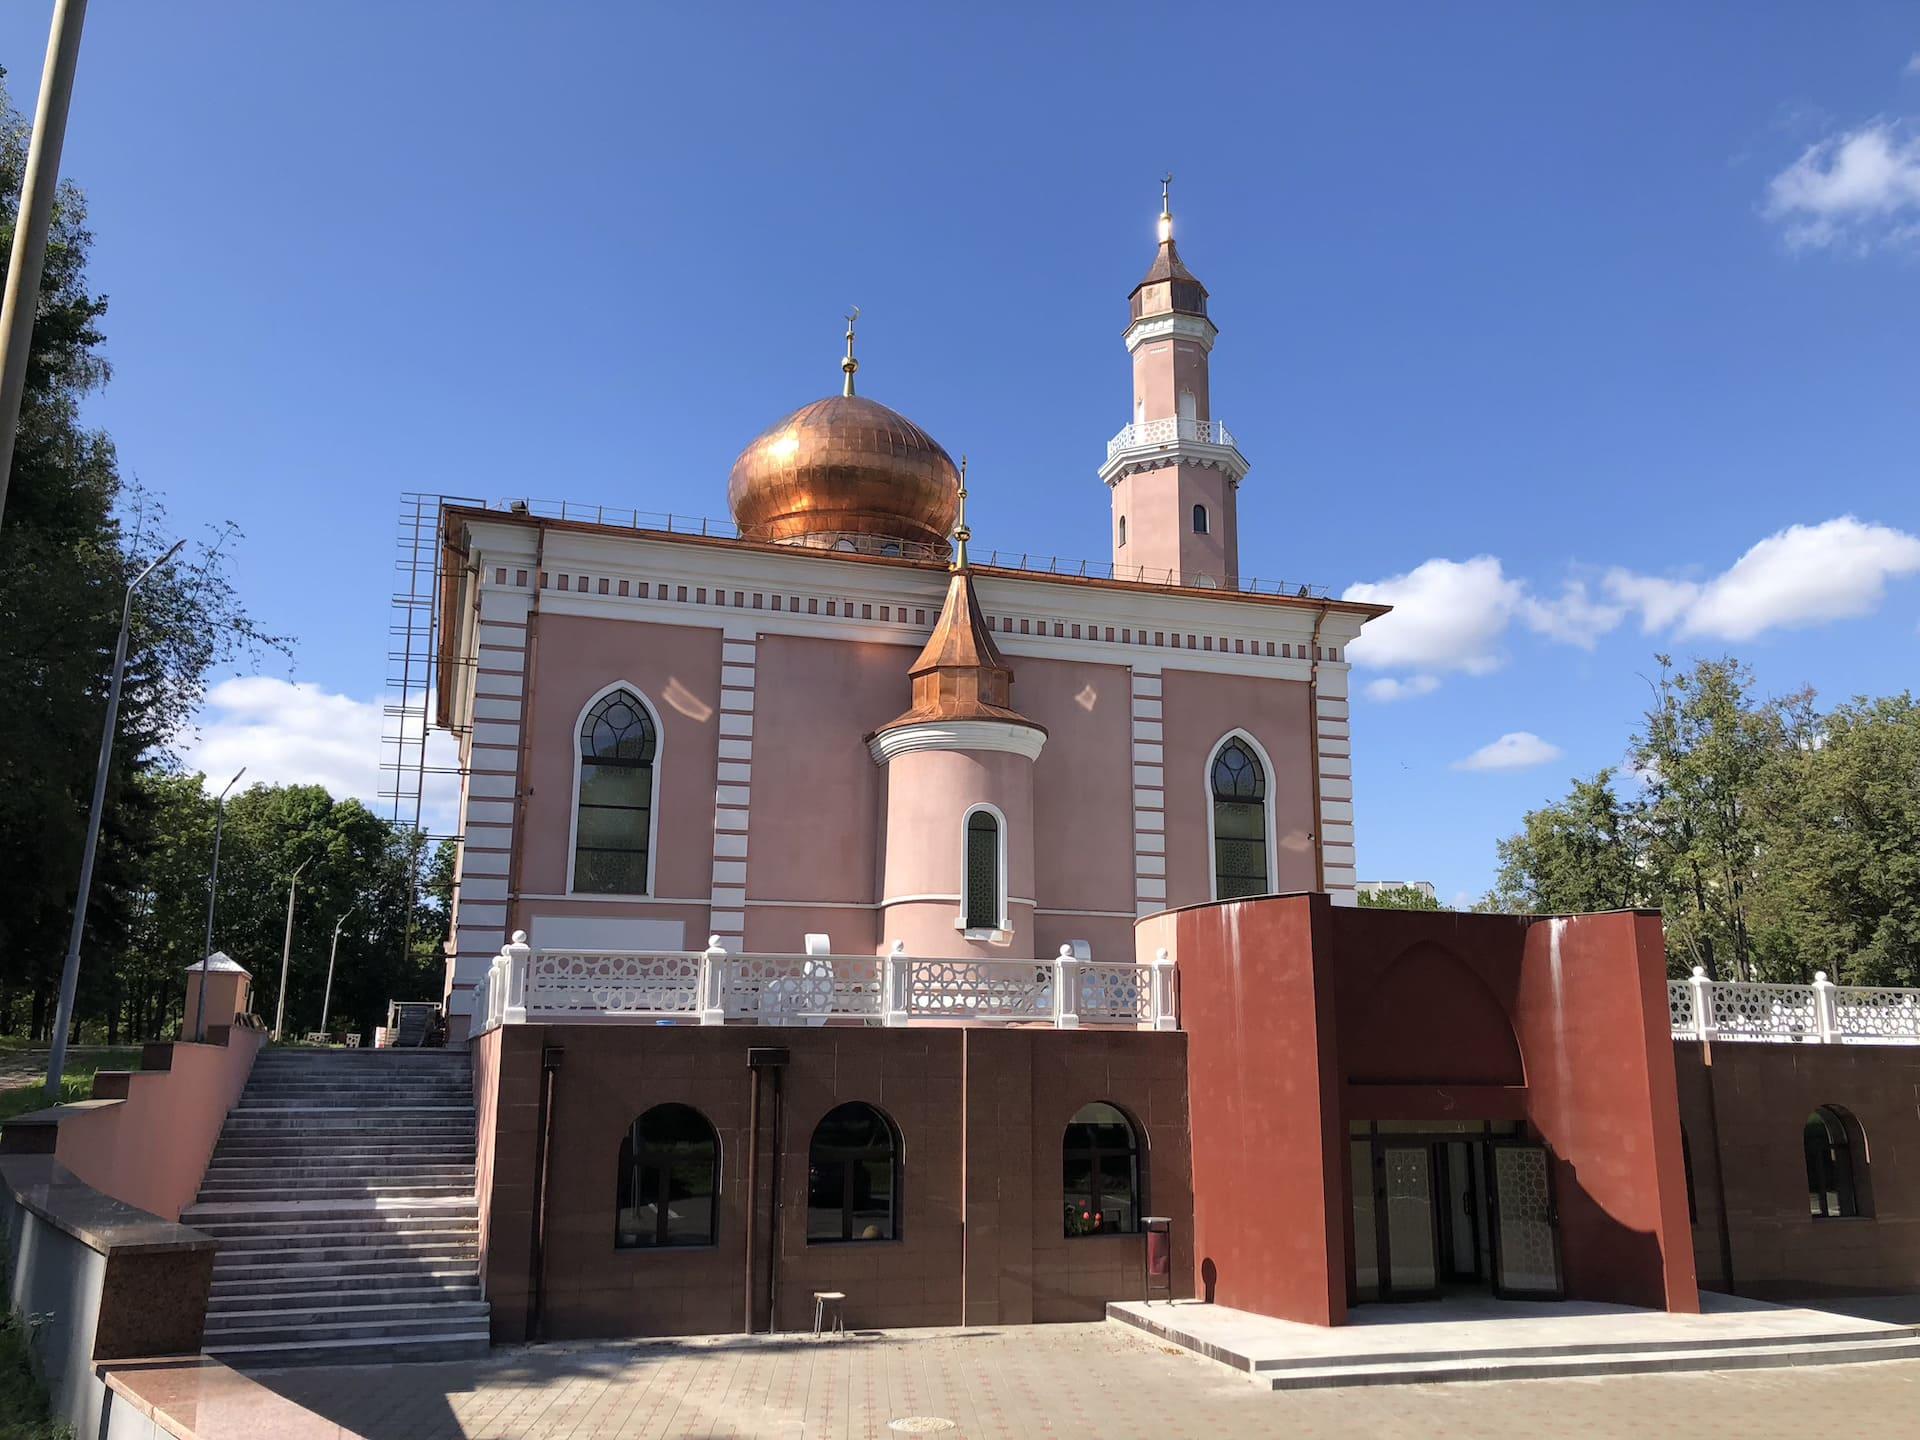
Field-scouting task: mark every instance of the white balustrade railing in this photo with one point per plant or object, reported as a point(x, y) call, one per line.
point(714, 986)
point(1818, 1014)
point(1143, 433)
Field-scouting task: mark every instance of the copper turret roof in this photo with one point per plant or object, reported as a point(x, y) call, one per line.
point(961, 674)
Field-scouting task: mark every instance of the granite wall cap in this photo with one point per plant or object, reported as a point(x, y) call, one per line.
point(98, 1221)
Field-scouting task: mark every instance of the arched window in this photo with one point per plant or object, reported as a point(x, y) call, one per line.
point(613, 808)
point(1100, 1172)
point(1239, 792)
point(1199, 519)
point(1123, 532)
point(853, 1176)
point(669, 1176)
point(1832, 1156)
point(986, 891)
point(1188, 407)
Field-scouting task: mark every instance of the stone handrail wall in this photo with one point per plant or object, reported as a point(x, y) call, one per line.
point(1818, 1014)
point(714, 986)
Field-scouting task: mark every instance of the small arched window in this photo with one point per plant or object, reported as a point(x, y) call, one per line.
point(986, 881)
point(613, 810)
point(1100, 1172)
point(853, 1176)
point(1123, 532)
point(1832, 1178)
point(669, 1176)
point(1199, 519)
point(1239, 792)
point(1188, 406)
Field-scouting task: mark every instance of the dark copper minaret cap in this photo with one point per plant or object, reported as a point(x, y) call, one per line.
point(1185, 294)
point(961, 674)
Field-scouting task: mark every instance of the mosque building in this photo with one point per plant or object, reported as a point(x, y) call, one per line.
point(842, 910)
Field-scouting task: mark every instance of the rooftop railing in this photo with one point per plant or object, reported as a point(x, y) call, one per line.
point(1818, 1014)
point(717, 987)
point(1022, 560)
point(1143, 434)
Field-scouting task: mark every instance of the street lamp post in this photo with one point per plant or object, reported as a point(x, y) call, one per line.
point(213, 891)
point(326, 997)
point(286, 950)
point(70, 973)
point(39, 186)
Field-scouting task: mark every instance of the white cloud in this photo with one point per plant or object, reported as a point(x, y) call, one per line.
point(1859, 190)
point(296, 733)
point(1516, 750)
point(1802, 576)
point(1387, 689)
point(1448, 615)
point(1573, 618)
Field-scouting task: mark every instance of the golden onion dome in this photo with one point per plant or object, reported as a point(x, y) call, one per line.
point(845, 468)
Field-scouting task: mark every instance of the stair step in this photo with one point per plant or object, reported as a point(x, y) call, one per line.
point(367, 1230)
point(467, 1249)
point(332, 1312)
point(399, 1349)
point(466, 1316)
point(291, 1271)
point(456, 1278)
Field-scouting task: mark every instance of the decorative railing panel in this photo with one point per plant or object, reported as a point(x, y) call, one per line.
point(980, 989)
point(1115, 994)
point(1818, 1014)
point(1754, 1011)
point(1168, 432)
point(1680, 1006)
point(1868, 1015)
point(614, 982)
point(793, 988)
point(714, 987)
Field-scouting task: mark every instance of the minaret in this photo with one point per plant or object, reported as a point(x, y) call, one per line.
point(958, 867)
point(1174, 472)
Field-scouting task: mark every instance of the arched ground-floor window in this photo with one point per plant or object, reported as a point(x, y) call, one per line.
point(853, 1176)
point(669, 1179)
point(1836, 1163)
point(1100, 1172)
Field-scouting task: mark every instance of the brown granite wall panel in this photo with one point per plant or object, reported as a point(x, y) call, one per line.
point(1761, 1096)
point(981, 1115)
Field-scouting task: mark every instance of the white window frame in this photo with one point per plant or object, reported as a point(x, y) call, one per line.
point(1266, 809)
point(653, 799)
point(1002, 931)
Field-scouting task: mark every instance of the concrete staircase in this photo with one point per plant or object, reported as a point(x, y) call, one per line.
point(342, 1196)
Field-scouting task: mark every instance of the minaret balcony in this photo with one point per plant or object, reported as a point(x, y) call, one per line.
point(1151, 444)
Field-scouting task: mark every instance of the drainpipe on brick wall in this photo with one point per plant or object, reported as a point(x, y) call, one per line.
point(1313, 752)
point(753, 1196)
point(520, 791)
point(550, 1057)
point(773, 1179)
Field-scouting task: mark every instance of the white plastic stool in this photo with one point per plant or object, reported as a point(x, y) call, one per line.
point(821, 1300)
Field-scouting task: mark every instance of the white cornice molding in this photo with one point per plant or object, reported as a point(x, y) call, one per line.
point(1137, 458)
point(1149, 328)
point(1001, 736)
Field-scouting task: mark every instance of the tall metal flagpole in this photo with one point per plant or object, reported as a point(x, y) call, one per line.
point(213, 891)
point(37, 190)
point(70, 975)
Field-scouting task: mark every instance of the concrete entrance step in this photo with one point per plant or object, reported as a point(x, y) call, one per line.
point(1639, 1362)
point(1483, 1339)
point(448, 1285)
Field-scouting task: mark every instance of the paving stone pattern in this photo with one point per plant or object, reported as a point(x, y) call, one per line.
point(1050, 1380)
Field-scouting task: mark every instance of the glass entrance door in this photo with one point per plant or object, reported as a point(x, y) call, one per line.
point(1526, 1242)
point(1411, 1237)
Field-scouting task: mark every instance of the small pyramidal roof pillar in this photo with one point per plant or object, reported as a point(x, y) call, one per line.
point(960, 673)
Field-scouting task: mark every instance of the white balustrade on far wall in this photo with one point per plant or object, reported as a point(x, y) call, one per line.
point(713, 986)
point(1818, 1014)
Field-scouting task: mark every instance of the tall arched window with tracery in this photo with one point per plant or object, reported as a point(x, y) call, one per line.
point(613, 802)
point(1238, 783)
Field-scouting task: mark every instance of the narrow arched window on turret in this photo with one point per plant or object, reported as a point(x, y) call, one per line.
point(1239, 787)
point(986, 887)
point(1123, 532)
point(613, 806)
point(1199, 519)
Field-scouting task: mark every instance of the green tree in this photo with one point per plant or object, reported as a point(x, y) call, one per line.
point(1584, 853)
point(75, 534)
point(1398, 897)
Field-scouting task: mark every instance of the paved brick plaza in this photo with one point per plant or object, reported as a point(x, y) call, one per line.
point(1063, 1380)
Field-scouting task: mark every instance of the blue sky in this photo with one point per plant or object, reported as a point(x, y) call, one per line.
point(1511, 299)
